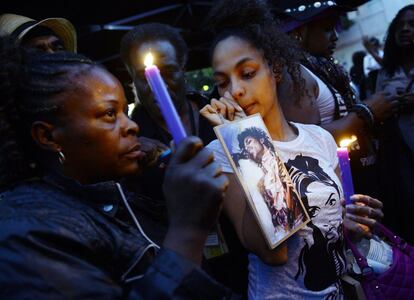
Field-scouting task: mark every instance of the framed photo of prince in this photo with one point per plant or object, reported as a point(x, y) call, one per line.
point(264, 178)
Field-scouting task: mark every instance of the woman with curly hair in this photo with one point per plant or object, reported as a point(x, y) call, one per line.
point(67, 229)
point(248, 58)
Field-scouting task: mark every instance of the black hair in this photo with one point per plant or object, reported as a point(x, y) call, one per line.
point(358, 58)
point(393, 55)
point(357, 69)
point(253, 21)
point(259, 134)
point(150, 32)
point(256, 133)
point(31, 83)
point(374, 41)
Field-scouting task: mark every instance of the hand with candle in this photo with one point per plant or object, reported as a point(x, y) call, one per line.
point(194, 187)
point(345, 168)
point(362, 211)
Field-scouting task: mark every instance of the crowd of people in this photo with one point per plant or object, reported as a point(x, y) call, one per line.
point(92, 207)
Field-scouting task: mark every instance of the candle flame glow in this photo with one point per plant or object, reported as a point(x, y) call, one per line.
point(149, 59)
point(347, 142)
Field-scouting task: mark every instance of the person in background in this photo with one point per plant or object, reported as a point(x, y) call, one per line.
point(330, 101)
point(397, 135)
point(47, 35)
point(248, 58)
point(170, 55)
point(357, 75)
point(68, 231)
point(314, 29)
point(373, 60)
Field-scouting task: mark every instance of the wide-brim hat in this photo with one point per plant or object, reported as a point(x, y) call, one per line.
point(306, 10)
point(19, 26)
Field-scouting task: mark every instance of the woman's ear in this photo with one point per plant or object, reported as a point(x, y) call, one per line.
point(43, 135)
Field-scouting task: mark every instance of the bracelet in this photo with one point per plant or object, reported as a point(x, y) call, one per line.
point(365, 113)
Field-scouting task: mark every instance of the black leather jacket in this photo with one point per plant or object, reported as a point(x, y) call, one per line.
point(62, 240)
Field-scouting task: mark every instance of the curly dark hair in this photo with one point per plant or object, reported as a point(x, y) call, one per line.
point(256, 133)
point(150, 32)
point(31, 87)
point(253, 21)
point(393, 55)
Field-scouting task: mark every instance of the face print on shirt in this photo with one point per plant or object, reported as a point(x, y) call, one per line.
point(321, 260)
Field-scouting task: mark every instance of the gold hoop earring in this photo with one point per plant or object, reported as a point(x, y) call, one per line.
point(61, 157)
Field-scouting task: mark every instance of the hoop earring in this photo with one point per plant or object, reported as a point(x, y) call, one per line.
point(61, 157)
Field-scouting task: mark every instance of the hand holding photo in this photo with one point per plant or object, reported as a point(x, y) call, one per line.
point(262, 174)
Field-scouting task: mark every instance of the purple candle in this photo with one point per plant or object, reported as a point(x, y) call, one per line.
point(171, 117)
point(345, 169)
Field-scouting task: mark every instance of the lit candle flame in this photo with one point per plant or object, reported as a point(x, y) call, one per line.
point(149, 59)
point(347, 142)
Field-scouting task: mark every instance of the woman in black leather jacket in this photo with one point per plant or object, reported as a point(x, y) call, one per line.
point(67, 229)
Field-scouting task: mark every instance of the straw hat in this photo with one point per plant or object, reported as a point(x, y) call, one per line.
point(19, 26)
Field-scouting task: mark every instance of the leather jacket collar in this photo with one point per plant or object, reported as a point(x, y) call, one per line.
point(104, 196)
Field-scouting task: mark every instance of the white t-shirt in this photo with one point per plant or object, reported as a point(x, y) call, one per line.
point(370, 64)
point(325, 100)
point(316, 253)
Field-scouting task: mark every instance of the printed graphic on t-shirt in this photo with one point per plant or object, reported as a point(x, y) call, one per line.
point(316, 257)
point(321, 259)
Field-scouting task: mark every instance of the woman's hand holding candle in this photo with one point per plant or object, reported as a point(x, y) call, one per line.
point(362, 212)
